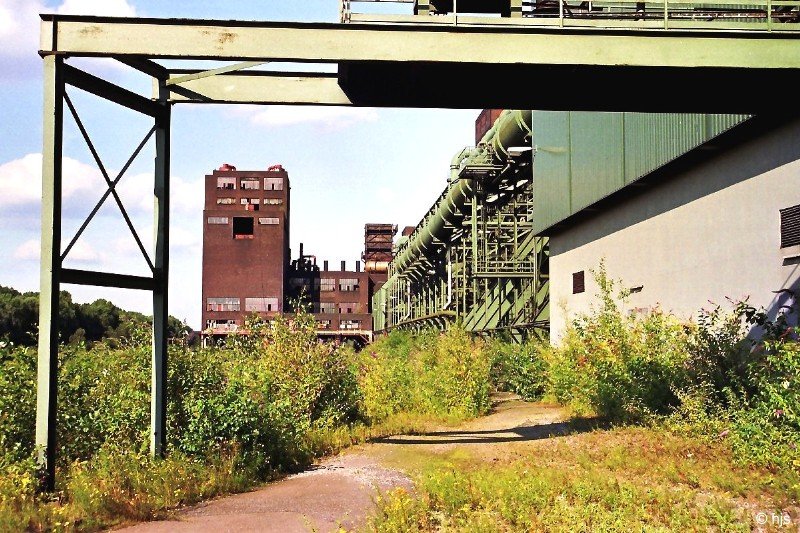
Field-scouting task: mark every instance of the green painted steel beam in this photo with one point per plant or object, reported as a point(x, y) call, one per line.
point(258, 87)
point(158, 391)
point(49, 286)
point(320, 42)
point(106, 279)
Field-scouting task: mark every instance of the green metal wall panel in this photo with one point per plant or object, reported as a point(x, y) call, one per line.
point(551, 172)
point(596, 141)
point(582, 157)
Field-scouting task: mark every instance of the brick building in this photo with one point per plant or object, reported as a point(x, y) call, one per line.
point(247, 266)
point(245, 246)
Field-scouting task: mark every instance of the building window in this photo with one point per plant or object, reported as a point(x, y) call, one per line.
point(578, 282)
point(261, 305)
point(223, 326)
point(242, 227)
point(269, 221)
point(348, 284)
point(347, 308)
point(327, 284)
point(226, 183)
point(327, 307)
point(223, 304)
point(273, 201)
point(790, 226)
point(350, 324)
point(323, 324)
point(273, 184)
point(250, 204)
point(218, 220)
point(226, 201)
point(250, 184)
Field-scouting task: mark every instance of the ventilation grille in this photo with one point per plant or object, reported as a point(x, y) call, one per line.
point(578, 282)
point(790, 226)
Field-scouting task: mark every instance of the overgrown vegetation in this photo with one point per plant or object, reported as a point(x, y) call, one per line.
point(705, 388)
point(262, 405)
point(270, 402)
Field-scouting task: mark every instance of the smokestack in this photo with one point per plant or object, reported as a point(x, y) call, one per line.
point(325, 265)
point(301, 250)
point(343, 266)
point(358, 266)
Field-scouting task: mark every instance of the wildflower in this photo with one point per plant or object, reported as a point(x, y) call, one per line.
point(724, 433)
point(778, 413)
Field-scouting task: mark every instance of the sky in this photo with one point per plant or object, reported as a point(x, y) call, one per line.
point(347, 166)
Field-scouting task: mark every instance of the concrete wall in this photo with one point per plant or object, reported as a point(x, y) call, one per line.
point(703, 235)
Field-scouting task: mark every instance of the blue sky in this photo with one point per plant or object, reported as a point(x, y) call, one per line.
point(347, 166)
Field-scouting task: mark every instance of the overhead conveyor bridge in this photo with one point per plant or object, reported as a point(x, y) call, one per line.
point(599, 56)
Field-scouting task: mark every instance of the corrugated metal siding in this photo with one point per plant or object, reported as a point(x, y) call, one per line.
point(551, 173)
point(582, 157)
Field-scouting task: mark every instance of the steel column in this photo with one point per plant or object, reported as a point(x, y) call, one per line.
point(50, 283)
point(158, 399)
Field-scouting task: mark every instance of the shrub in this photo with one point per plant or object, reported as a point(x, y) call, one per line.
point(442, 374)
point(619, 366)
point(518, 368)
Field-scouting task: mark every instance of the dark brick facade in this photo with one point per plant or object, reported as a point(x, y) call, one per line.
point(245, 246)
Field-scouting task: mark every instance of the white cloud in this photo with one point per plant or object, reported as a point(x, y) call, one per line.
point(28, 250)
point(19, 29)
point(333, 118)
point(21, 181)
point(107, 8)
point(82, 252)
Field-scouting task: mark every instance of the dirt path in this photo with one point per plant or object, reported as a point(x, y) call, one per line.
point(341, 491)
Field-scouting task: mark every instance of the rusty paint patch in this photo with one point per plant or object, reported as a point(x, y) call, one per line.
point(91, 31)
point(227, 37)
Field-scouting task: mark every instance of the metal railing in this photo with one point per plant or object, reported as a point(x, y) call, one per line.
point(759, 15)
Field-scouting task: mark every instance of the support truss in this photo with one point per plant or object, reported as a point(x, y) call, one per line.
point(57, 76)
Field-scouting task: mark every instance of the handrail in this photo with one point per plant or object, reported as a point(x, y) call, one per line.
point(753, 15)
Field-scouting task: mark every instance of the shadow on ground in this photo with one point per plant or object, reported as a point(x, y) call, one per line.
point(492, 436)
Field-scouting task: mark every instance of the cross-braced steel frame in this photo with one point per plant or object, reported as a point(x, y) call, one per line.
point(58, 76)
point(379, 65)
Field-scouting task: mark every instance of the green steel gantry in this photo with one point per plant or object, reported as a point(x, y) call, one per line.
point(474, 257)
point(422, 61)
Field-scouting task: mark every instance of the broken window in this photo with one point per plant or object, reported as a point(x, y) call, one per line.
point(250, 184)
point(223, 304)
point(251, 204)
point(273, 184)
point(327, 284)
point(269, 221)
point(226, 201)
point(226, 183)
point(347, 308)
point(261, 305)
point(218, 220)
point(323, 324)
point(327, 307)
point(350, 324)
point(348, 284)
point(221, 325)
point(242, 227)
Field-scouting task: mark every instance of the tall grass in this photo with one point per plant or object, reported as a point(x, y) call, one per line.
point(704, 388)
point(238, 415)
